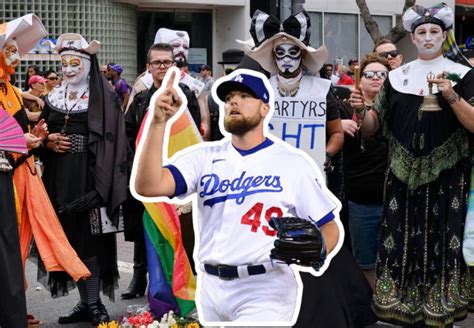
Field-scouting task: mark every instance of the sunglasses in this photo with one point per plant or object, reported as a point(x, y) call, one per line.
point(54, 78)
point(393, 53)
point(371, 74)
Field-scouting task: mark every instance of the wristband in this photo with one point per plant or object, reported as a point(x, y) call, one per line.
point(453, 98)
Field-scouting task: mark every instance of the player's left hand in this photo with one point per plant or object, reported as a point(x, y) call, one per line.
point(299, 242)
point(444, 85)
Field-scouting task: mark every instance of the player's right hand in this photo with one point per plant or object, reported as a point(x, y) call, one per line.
point(168, 102)
point(356, 99)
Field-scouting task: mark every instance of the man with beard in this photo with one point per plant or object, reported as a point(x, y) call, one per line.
point(241, 183)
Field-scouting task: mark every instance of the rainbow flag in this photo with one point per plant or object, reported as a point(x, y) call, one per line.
point(172, 285)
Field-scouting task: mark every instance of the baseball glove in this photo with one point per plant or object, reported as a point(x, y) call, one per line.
point(299, 242)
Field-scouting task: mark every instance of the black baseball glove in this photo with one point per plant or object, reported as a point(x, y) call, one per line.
point(299, 242)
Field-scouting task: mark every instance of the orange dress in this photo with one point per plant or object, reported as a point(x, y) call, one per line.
point(37, 217)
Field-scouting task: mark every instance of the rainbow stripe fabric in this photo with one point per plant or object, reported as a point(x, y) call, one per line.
point(172, 285)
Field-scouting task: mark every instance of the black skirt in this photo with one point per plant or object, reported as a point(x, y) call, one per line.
point(421, 274)
point(12, 288)
point(340, 298)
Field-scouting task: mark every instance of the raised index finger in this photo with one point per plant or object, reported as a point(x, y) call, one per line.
point(171, 79)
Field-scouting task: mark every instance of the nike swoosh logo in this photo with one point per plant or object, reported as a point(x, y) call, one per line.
point(217, 160)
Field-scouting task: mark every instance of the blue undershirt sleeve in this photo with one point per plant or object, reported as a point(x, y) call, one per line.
point(181, 187)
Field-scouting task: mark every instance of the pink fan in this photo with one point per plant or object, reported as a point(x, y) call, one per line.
point(11, 135)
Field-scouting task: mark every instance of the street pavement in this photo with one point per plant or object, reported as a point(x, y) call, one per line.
point(48, 310)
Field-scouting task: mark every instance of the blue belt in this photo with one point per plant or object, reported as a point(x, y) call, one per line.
point(228, 272)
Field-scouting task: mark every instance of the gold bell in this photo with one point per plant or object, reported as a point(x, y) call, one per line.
point(430, 102)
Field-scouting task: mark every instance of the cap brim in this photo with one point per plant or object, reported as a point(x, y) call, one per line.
point(228, 86)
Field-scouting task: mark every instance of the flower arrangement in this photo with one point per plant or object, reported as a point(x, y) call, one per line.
point(111, 324)
point(145, 320)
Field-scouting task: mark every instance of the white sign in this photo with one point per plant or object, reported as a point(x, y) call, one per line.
point(301, 120)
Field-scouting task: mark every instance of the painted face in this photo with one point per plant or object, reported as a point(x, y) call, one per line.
point(75, 69)
point(242, 112)
point(180, 49)
point(288, 58)
point(10, 52)
point(428, 39)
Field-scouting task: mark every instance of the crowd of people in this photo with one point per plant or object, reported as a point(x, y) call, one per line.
point(401, 172)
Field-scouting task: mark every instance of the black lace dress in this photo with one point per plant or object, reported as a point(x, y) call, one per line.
point(66, 178)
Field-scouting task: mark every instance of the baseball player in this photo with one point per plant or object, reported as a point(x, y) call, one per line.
point(242, 183)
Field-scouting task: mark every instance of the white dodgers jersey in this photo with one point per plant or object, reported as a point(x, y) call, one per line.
point(239, 192)
point(301, 120)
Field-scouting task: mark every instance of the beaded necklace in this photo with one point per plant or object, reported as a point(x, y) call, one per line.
point(289, 87)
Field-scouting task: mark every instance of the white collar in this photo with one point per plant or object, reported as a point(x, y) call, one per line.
point(56, 98)
point(411, 78)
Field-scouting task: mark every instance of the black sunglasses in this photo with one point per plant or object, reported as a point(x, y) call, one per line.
point(393, 53)
point(371, 74)
point(54, 78)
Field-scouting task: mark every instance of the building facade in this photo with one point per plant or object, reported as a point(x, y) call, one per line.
point(113, 24)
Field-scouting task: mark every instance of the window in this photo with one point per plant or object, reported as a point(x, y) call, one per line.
point(316, 33)
point(366, 42)
point(340, 36)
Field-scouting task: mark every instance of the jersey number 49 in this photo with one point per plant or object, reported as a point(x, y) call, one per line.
point(253, 215)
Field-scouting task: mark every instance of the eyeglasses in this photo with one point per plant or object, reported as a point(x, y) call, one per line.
point(371, 74)
point(393, 53)
point(161, 64)
point(54, 78)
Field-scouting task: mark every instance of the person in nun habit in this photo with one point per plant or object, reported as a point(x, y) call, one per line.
point(341, 297)
point(85, 161)
point(421, 275)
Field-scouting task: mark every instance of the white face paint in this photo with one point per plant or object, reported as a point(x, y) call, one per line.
point(288, 58)
point(10, 53)
point(75, 69)
point(180, 48)
point(428, 39)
